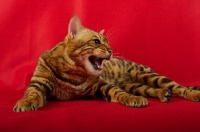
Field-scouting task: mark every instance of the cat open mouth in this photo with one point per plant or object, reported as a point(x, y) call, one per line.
point(97, 62)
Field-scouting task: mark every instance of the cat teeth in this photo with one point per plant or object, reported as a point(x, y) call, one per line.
point(97, 62)
point(99, 66)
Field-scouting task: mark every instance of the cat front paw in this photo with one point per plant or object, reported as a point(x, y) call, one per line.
point(26, 104)
point(164, 95)
point(135, 101)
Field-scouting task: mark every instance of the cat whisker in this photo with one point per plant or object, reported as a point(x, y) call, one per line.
point(98, 27)
point(118, 55)
point(109, 33)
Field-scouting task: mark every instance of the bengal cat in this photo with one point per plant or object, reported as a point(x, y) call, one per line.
point(82, 66)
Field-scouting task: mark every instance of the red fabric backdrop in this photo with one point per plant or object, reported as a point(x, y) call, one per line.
point(163, 34)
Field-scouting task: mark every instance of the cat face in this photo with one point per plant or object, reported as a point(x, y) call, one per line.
point(86, 48)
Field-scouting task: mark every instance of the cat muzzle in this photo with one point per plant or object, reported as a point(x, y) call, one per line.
point(97, 62)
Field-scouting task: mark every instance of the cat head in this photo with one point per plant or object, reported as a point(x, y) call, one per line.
point(86, 48)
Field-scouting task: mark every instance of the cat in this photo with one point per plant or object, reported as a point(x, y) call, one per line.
point(82, 66)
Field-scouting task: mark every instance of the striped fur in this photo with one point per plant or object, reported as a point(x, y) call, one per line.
point(81, 66)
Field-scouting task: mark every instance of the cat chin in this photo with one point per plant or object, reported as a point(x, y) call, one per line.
point(93, 72)
point(96, 72)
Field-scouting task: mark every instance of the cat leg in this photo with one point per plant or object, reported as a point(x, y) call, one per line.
point(155, 80)
point(113, 93)
point(140, 89)
point(35, 95)
point(33, 99)
point(184, 92)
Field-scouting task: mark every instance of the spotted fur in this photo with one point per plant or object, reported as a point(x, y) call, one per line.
point(82, 66)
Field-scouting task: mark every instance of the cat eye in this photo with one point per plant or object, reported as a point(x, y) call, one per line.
point(97, 41)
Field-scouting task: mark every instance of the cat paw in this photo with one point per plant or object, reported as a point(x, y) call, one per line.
point(136, 101)
point(164, 95)
point(26, 104)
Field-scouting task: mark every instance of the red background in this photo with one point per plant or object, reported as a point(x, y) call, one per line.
point(163, 34)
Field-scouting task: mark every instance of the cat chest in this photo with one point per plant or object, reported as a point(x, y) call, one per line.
point(68, 92)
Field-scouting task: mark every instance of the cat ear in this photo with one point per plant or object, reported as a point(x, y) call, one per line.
point(102, 31)
point(74, 26)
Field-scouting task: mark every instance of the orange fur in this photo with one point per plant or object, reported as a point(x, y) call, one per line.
point(81, 66)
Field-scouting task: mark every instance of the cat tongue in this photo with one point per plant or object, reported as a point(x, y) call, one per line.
point(98, 63)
